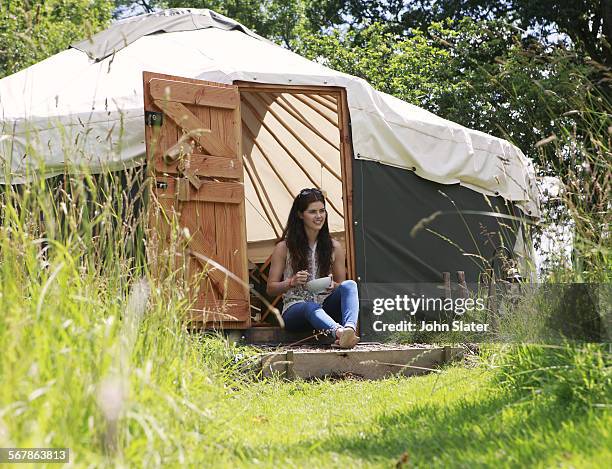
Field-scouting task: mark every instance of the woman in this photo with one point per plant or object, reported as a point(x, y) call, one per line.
point(306, 251)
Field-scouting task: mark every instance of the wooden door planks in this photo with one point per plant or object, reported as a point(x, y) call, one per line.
point(346, 159)
point(367, 364)
point(185, 119)
point(203, 118)
point(203, 165)
point(189, 93)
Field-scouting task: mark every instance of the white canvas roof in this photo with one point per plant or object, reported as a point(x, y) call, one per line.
point(86, 107)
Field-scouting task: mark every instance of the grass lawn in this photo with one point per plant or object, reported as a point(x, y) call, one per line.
point(454, 419)
point(92, 363)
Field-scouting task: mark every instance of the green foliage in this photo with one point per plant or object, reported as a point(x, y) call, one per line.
point(31, 31)
point(453, 419)
point(88, 338)
point(414, 69)
point(274, 19)
point(479, 74)
point(91, 362)
point(573, 375)
point(95, 361)
point(587, 23)
point(579, 151)
point(551, 102)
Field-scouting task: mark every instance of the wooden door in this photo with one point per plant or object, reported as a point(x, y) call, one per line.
point(194, 148)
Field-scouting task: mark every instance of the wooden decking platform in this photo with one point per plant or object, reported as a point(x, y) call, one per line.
point(366, 361)
point(278, 336)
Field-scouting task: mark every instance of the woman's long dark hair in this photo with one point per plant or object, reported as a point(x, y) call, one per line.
point(295, 235)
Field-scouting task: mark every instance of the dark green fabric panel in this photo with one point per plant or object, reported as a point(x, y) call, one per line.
point(387, 204)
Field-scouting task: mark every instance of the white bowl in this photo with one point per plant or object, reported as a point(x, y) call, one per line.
point(318, 285)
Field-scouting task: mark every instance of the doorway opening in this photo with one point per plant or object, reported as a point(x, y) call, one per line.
point(293, 137)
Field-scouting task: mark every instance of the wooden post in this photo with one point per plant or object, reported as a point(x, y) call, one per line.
point(289, 370)
point(463, 291)
point(346, 162)
point(492, 302)
point(447, 284)
point(447, 354)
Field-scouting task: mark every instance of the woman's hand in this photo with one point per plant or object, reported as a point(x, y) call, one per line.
point(332, 286)
point(299, 279)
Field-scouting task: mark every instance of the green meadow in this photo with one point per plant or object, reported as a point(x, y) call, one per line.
point(96, 357)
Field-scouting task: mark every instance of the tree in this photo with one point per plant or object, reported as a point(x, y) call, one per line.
point(274, 19)
point(32, 30)
point(413, 69)
point(588, 23)
point(481, 74)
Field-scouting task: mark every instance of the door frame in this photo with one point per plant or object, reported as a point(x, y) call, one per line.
point(346, 150)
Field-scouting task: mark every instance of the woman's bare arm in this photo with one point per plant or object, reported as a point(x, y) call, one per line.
point(339, 268)
point(275, 285)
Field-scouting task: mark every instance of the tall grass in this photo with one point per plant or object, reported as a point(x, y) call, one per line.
point(558, 330)
point(574, 376)
point(574, 373)
point(91, 342)
point(580, 153)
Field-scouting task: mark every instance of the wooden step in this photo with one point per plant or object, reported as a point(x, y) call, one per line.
point(367, 361)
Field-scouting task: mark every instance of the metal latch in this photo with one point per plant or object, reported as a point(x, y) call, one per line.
point(153, 118)
point(185, 185)
point(193, 178)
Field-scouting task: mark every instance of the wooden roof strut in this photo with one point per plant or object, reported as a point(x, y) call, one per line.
point(261, 202)
point(323, 102)
point(290, 108)
point(295, 135)
point(267, 158)
point(263, 188)
point(311, 106)
point(284, 147)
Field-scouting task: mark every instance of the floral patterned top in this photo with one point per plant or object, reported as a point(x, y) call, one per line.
point(299, 293)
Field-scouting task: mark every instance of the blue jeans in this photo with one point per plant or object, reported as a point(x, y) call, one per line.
point(341, 308)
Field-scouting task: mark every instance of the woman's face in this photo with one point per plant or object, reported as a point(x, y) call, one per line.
point(314, 215)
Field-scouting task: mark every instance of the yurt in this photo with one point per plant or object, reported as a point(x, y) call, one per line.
point(232, 127)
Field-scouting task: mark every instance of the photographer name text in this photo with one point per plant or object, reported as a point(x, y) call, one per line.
point(434, 326)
